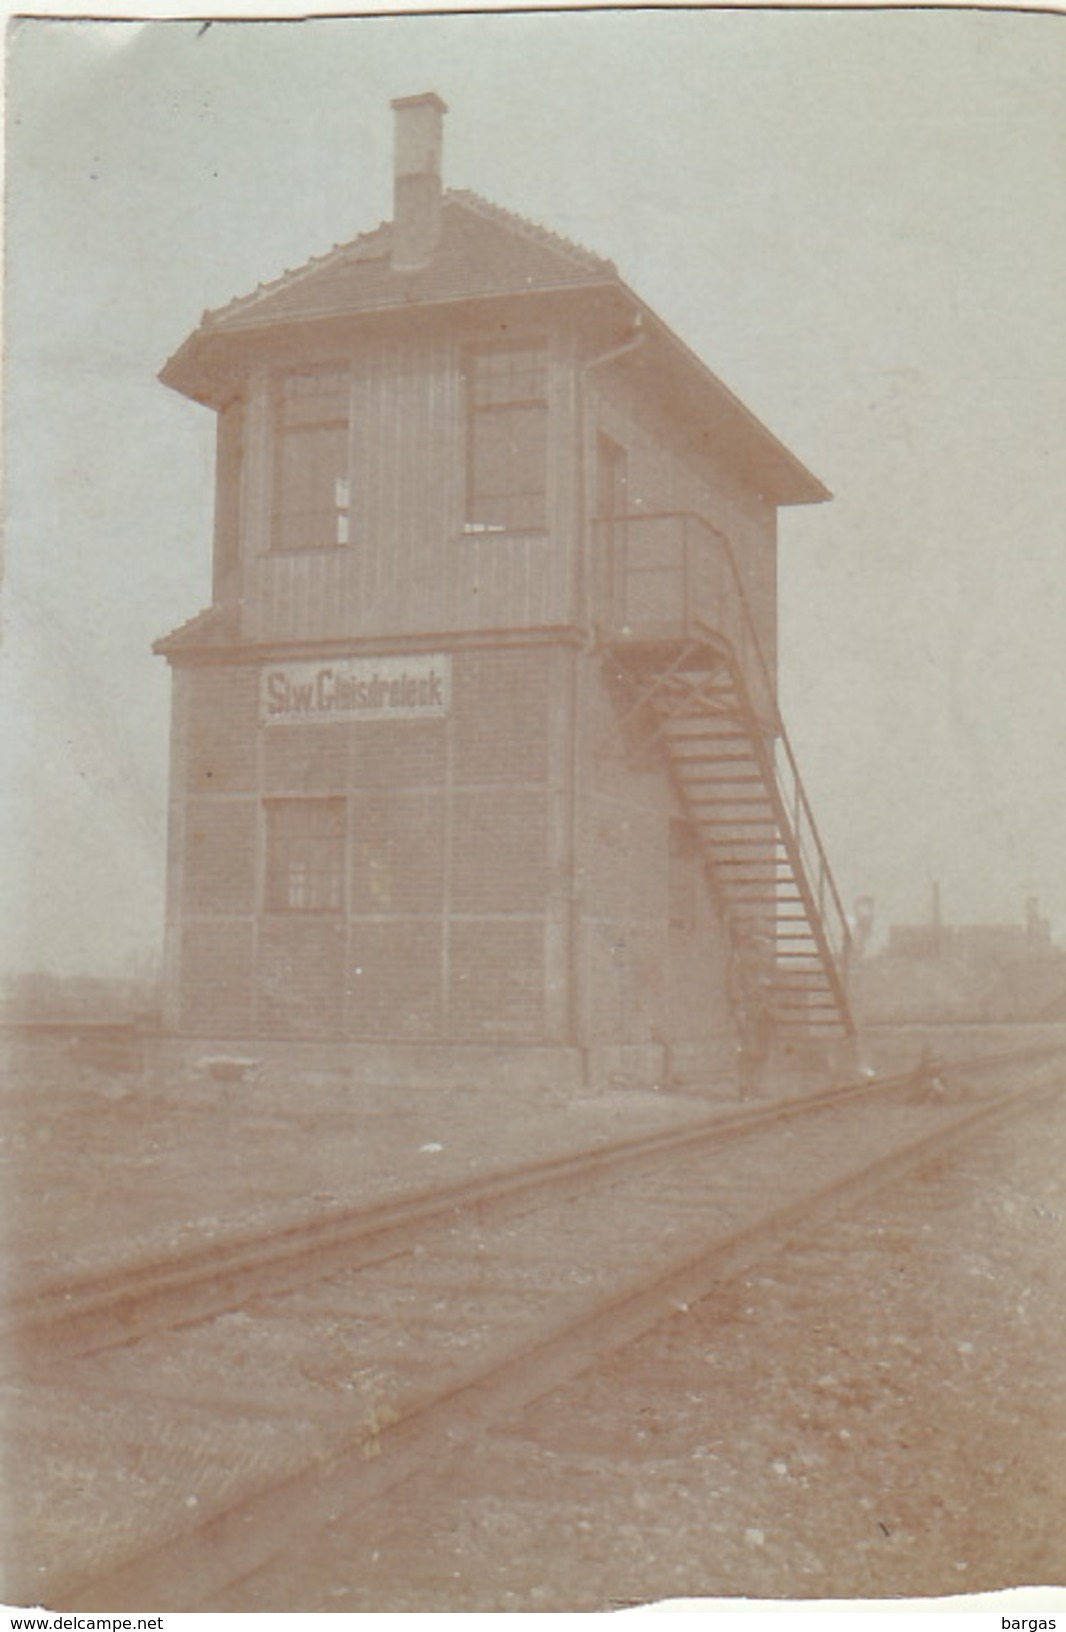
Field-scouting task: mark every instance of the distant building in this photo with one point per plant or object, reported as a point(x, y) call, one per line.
point(478, 742)
point(39, 995)
point(980, 972)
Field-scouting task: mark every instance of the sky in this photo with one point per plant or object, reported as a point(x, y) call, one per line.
point(858, 221)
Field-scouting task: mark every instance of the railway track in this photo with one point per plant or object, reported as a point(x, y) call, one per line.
point(71, 1317)
point(205, 1402)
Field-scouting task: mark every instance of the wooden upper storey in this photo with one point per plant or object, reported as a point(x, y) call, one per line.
point(504, 438)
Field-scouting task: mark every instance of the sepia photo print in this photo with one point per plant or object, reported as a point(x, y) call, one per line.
point(533, 975)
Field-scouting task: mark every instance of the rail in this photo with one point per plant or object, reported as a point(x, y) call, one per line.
point(124, 1301)
point(241, 1538)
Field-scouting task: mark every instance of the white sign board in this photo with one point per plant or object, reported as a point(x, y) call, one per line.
point(357, 688)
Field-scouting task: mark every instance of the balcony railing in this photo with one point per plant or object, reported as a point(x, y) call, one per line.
point(672, 576)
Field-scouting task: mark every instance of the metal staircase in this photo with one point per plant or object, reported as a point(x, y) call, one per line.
point(703, 697)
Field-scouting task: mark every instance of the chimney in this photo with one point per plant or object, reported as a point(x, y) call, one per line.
point(417, 184)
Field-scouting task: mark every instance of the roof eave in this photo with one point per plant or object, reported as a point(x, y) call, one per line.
point(193, 370)
point(797, 484)
point(207, 366)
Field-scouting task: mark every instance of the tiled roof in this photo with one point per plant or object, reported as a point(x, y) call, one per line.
point(483, 250)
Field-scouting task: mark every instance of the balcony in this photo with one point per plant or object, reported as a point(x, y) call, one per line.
point(671, 577)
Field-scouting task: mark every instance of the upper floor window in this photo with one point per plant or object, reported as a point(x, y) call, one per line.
point(306, 840)
point(507, 438)
point(312, 482)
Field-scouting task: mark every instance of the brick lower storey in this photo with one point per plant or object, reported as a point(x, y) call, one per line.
point(493, 878)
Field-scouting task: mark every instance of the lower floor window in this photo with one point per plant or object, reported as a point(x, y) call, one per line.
point(306, 843)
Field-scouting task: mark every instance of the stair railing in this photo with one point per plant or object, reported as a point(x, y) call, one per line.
point(740, 629)
point(693, 586)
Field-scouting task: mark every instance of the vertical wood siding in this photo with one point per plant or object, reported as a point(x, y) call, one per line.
point(410, 568)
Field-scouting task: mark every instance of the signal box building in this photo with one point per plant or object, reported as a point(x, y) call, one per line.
point(476, 749)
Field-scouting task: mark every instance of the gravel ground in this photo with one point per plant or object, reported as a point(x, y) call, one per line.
point(102, 1167)
point(877, 1413)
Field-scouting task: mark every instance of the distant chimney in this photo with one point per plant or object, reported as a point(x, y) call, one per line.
point(417, 184)
point(938, 925)
point(864, 922)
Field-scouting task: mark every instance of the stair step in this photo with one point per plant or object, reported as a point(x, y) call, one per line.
point(707, 667)
point(693, 683)
point(722, 855)
point(746, 823)
point(728, 724)
point(764, 867)
point(703, 817)
point(773, 896)
point(712, 758)
point(746, 895)
point(746, 840)
point(735, 759)
point(760, 867)
point(746, 831)
point(795, 997)
point(791, 899)
point(733, 861)
point(690, 766)
point(730, 780)
point(714, 771)
point(744, 898)
point(701, 735)
point(696, 752)
point(811, 1014)
point(739, 799)
point(684, 725)
point(704, 736)
point(718, 815)
point(716, 841)
point(695, 710)
point(693, 776)
point(760, 875)
point(745, 859)
point(704, 731)
point(745, 806)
